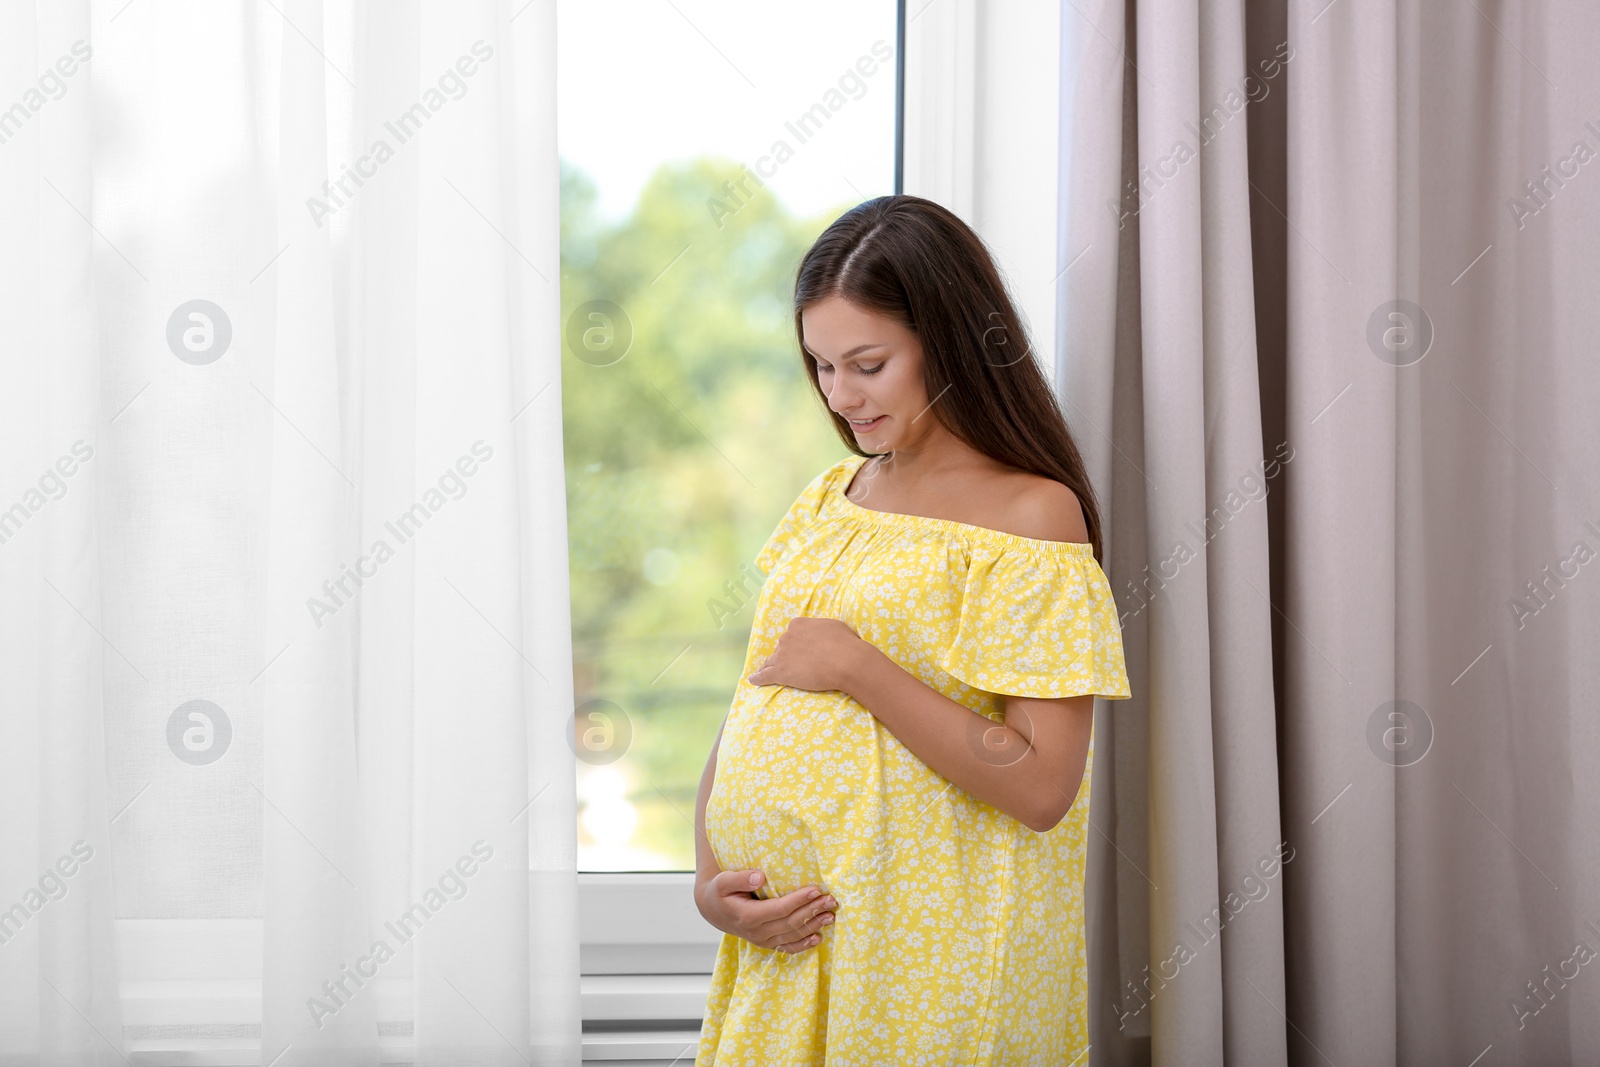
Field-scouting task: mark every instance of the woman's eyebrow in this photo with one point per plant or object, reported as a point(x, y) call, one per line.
point(850, 354)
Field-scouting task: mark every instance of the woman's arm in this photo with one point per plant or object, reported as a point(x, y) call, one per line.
point(1030, 767)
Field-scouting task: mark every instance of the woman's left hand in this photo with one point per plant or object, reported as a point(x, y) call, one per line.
point(813, 654)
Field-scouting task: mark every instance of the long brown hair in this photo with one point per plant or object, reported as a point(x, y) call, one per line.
point(917, 263)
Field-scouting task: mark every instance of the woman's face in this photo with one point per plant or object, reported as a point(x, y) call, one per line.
point(870, 368)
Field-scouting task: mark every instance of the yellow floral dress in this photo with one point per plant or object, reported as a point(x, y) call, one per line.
point(959, 936)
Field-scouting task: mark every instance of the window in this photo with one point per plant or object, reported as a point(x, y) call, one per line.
point(704, 145)
point(676, 198)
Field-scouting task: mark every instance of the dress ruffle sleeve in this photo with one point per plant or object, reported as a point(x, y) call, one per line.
point(800, 515)
point(1037, 621)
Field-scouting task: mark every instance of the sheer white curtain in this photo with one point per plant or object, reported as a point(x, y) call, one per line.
point(284, 627)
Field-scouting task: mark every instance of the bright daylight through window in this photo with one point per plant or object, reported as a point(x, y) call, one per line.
point(701, 153)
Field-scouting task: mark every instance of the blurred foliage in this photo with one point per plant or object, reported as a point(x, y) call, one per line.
point(681, 456)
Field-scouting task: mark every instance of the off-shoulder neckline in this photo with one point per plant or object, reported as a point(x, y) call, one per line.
point(853, 463)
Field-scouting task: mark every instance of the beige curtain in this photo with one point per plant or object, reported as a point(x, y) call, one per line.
point(1328, 342)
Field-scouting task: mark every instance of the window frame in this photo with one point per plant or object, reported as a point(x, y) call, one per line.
point(645, 952)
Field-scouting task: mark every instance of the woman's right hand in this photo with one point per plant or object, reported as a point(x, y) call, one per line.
point(792, 922)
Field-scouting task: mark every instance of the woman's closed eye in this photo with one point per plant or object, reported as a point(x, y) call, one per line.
point(823, 368)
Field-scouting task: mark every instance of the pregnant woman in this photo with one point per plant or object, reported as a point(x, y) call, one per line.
point(893, 818)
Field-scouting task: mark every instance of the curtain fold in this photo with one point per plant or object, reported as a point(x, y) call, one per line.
point(1326, 351)
point(59, 999)
point(1162, 223)
point(289, 650)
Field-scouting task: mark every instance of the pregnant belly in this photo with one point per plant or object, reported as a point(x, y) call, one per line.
point(799, 791)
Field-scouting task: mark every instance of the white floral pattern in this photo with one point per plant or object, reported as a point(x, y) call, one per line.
point(959, 934)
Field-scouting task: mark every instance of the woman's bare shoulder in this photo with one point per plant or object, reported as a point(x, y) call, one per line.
point(1041, 508)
